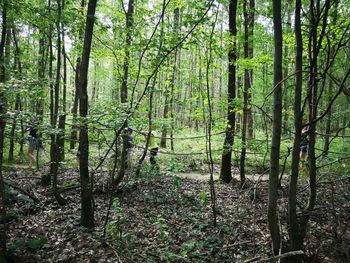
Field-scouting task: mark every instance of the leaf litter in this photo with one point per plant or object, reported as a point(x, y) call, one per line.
point(169, 219)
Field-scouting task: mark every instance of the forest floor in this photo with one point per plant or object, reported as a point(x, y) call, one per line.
point(167, 218)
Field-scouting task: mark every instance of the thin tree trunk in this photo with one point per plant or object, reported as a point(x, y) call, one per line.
point(272, 215)
point(286, 70)
point(225, 173)
point(330, 91)
point(151, 94)
point(328, 122)
point(239, 96)
point(209, 126)
point(124, 86)
point(294, 231)
point(169, 91)
point(249, 78)
point(245, 94)
point(3, 237)
point(41, 77)
point(94, 85)
point(46, 178)
point(62, 117)
point(55, 151)
point(199, 86)
point(18, 98)
point(13, 130)
point(172, 84)
point(315, 15)
point(87, 209)
point(18, 68)
point(39, 106)
point(74, 132)
point(21, 143)
point(165, 116)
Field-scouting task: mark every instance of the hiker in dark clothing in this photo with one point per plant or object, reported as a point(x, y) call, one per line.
point(32, 145)
point(304, 145)
point(130, 145)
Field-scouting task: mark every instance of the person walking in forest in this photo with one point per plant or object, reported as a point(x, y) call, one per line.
point(153, 145)
point(129, 146)
point(32, 145)
point(78, 155)
point(304, 144)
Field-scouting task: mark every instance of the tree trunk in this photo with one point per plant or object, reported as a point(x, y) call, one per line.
point(294, 231)
point(124, 86)
point(286, 103)
point(225, 173)
point(313, 49)
point(41, 77)
point(13, 130)
point(18, 68)
point(330, 91)
point(239, 96)
point(150, 109)
point(87, 210)
point(46, 178)
point(3, 226)
point(62, 117)
point(247, 86)
point(172, 83)
point(74, 132)
point(55, 150)
point(165, 116)
point(249, 34)
point(272, 215)
point(96, 84)
point(328, 121)
point(169, 90)
point(21, 143)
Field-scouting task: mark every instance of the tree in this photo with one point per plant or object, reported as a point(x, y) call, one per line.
point(46, 178)
point(74, 132)
point(55, 151)
point(87, 210)
point(276, 129)
point(330, 87)
point(318, 18)
point(124, 87)
point(294, 232)
point(18, 69)
point(225, 172)
point(169, 89)
point(2, 128)
point(319, 24)
point(247, 122)
point(62, 115)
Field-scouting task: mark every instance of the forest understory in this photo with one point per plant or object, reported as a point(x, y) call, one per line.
point(167, 218)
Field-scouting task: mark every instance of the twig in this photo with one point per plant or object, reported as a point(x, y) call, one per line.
point(285, 255)
point(234, 245)
point(330, 163)
point(36, 200)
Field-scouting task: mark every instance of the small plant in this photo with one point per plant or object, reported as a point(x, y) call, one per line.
point(169, 256)
point(177, 183)
point(149, 170)
point(204, 199)
point(187, 247)
point(114, 227)
point(175, 166)
point(30, 245)
point(162, 226)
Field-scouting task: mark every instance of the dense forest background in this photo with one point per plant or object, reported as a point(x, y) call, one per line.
point(226, 86)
